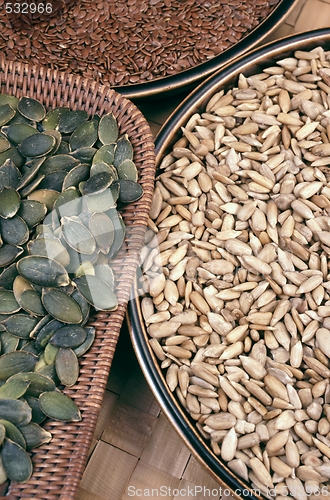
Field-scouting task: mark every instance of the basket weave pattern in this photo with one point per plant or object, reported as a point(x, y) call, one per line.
point(59, 465)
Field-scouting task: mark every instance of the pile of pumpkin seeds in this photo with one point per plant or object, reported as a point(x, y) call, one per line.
point(62, 177)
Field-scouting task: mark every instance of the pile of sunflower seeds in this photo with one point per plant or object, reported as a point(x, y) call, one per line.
point(131, 41)
point(61, 178)
point(239, 315)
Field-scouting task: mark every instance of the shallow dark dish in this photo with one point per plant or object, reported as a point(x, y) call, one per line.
point(17, 36)
point(187, 80)
point(168, 135)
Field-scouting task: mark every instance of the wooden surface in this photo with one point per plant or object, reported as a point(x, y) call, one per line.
point(135, 448)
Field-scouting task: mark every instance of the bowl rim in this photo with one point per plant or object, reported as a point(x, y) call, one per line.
point(164, 139)
point(192, 76)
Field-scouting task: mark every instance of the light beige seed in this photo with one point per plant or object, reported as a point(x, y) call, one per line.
point(296, 488)
point(277, 442)
point(255, 264)
point(261, 472)
point(161, 330)
point(229, 445)
point(221, 421)
point(280, 467)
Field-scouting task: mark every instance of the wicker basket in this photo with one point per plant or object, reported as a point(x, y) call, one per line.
point(59, 465)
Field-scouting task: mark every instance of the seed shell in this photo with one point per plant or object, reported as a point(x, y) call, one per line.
point(61, 306)
point(58, 406)
point(16, 462)
point(67, 366)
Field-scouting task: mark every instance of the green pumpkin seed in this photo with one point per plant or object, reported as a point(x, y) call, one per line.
point(35, 435)
point(7, 277)
point(84, 155)
point(46, 196)
point(32, 168)
point(57, 163)
point(16, 411)
point(12, 154)
point(38, 416)
point(71, 120)
point(67, 367)
point(83, 304)
point(97, 183)
point(108, 129)
point(128, 171)
point(13, 389)
point(16, 462)
point(50, 353)
point(28, 346)
point(130, 191)
point(43, 271)
point(97, 292)
point(32, 212)
point(13, 433)
point(38, 383)
point(78, 236)
point(8, 304)
point(15, 362)
point(58, 138)
point(100, 166)
point(18, 132)
point(53, 181)
point(9, 342)
point(101, 227)
point(9, 175)
point(105, 273)
point(76, 175)
point(105, 154)
point(8, 99)
point(6, 114)
point(52, 119)
point(8, 254)
point(84, 136)
point(30, 188)
point(51, 248)
point(31, 109)
point(45, 333)
point(100, 202)
point(30, 301)
point(14, 231)
point(37, 145)
point(10, 202)
point(68, 336)
point(58, 406)
point(4, 143)
point(123, 151)
point(61, 306)
point(20, 325)
point(63, 149)
point(49, 372)
point(87, 344)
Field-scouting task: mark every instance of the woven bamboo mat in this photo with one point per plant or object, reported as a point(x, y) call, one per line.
point(135, 449)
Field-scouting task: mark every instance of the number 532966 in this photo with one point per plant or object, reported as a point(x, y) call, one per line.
point(29, 8)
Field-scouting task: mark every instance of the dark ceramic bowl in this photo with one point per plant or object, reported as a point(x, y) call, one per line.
point(168, 135)
point(187, 80)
